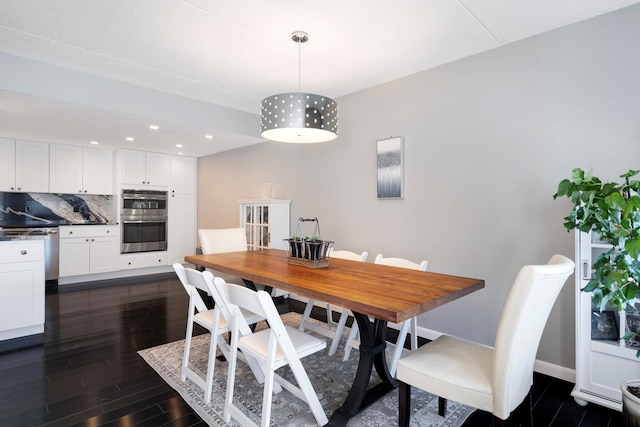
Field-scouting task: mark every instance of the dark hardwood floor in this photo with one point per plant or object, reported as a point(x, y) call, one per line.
point(88, 372)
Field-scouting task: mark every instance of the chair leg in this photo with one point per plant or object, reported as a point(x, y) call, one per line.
point(306, 314)
point(211, 364)
point(351, 338)
point(525, 411)
point(330, 321)
point(397, 351)
point(187, 347)
point(442, 406)
point(404, 404)
point(336, 339)
point(499, 422)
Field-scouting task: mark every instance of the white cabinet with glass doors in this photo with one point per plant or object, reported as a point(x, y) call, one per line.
point(603, 360)
point(266, 222)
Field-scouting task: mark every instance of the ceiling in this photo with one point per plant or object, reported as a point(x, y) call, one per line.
point(234, 53)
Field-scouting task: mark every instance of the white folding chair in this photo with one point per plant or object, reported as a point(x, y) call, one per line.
point(403, 328)
point(210, 319)
point(275, 347)
point(497, 380)
point(332, 329)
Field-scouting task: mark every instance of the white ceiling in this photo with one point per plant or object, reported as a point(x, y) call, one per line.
point(234, 53)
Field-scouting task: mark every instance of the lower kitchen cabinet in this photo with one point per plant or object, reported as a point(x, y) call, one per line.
point(143, 260)
point(88, 249)
point(22, 288)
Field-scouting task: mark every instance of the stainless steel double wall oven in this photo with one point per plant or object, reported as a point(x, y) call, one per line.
point(144, 221)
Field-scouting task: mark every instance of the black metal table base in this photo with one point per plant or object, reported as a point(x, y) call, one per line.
point(372, 354)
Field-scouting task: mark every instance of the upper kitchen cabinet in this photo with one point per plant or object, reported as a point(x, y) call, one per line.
point(141, 169)
point(80, 170)
point(24, 166)
point(183, 174)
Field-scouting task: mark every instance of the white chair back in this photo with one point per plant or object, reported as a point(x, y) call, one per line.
point(401, 262)
point(221, 240)
point(524, 316)
point(352, 256)
point(191, 280)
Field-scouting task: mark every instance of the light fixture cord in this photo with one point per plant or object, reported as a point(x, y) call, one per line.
point(299, 63)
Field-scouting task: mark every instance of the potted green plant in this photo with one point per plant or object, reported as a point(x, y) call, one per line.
point(612, 211)
point(295, 245)
point(313, 245)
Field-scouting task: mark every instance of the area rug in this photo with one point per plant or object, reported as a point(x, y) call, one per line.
point(331, 379)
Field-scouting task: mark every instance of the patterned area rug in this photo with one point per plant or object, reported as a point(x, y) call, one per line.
point(331, 379)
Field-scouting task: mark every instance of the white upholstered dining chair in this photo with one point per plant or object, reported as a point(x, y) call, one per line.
point(221, 240)
point(210, 319)
point(404, 327)
point(497, 380)
point(332, 330)
point(273, 348)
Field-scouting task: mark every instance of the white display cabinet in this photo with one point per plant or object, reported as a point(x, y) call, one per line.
point(267, 222)
point(603, 360)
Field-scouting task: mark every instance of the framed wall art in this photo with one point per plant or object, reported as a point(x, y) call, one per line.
point(390, 155)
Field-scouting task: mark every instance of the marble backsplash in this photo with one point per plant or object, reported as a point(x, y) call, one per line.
point(34, 209)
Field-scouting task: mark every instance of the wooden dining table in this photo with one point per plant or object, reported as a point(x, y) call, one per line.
point(375, 294)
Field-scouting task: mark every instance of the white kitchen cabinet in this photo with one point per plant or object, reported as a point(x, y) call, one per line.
point(80, 170)
point(182, 226)
point(603, 361)
point(7, 164)
point(183, 174)
point(22, 287)
point(25, 166)
point(267, 222)
point(88, 249)
point(182, 208)
point(141, 169)
point(143, 260)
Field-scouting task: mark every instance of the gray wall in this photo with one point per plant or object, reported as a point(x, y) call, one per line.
point(487, 139)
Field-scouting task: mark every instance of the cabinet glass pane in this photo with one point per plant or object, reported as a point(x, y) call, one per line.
point(249, 215)
point(605, 324)
point(265, 236)
point(632, 324)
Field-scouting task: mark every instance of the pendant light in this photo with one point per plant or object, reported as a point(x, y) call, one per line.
point(299, 117)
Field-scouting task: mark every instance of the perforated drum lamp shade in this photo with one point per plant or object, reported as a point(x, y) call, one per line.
point(296, 116)
point(299, 117)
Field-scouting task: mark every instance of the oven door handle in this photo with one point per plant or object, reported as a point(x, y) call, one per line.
point(142, 221)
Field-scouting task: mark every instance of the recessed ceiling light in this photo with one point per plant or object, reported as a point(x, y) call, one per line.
point(94, 142)
point(179, 145)
point(130, 139)
point(154, 127)
point(180, 154)
point(209, 136)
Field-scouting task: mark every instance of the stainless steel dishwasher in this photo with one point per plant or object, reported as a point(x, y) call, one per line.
point(51, 245)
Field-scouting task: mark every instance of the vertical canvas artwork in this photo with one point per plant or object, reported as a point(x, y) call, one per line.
point(390, 168)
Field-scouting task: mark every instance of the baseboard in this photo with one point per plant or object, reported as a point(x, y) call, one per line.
point(540, 366)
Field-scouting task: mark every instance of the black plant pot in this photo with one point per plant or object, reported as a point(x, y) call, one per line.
point(313, 250)
point(296, 248)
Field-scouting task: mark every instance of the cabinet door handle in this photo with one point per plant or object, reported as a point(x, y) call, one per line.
point(586, 269)
point(23, 252)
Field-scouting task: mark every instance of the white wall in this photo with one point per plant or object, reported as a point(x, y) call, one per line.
point(487, 139)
